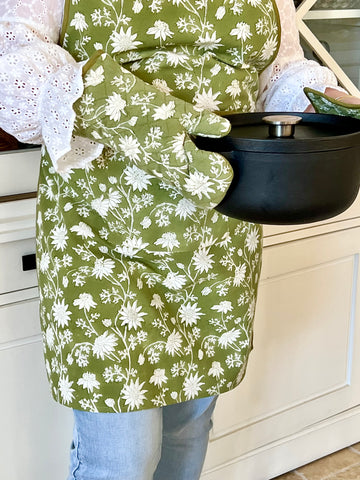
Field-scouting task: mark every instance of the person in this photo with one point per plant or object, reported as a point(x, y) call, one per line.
point(147, 293)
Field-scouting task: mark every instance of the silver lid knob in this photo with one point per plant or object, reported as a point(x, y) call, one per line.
point(282, 125)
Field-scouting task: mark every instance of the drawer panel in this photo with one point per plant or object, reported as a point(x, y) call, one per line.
point(11, 263)
point(18, 322)
point(19, 171)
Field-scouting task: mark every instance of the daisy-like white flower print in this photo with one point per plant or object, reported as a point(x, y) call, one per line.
point(49, 337)
point(215, 70)
point(160, 30)
point(173, 343)
point(66, 392)
point(133, 394)
point(206, 101)
point(174, 281)
point(115, 106)
point(88, 381)
point(122, 41)
point(174, 58)
point(79, 22)
point(161, 85)
point(202, 260)
point(59, 237)
point(94, 77)
point(165, 111)
point(242, 31)
point(254, 3)
point(220, 12)
point(252, 240)
point(198, 184)
point(233, 89)
point(158, 377)
point(104, 345)
point(131, 246)
point(101, 206)
point(61, 313)
point(223, 307)
point(190, 314)
point(229, 337)
point(130, 147)
point(131, 315)
point(83, 230)
point(44, 262)
point(157, 302)
point(85, 301)
point(184, 208)
point(239, 276)
point(103, 267)
point(208, 42)
point(269, 48)
point(168, 240)
point(216, 370)
point(192, 385)
point(137, 178)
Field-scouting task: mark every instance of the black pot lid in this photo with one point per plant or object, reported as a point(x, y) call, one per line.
point(315, 132)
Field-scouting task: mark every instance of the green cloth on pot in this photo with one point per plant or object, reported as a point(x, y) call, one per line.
point(324, 104)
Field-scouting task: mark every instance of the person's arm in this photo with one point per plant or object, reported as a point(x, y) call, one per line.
point(283, 82)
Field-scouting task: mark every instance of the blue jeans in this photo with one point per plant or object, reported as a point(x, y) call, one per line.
point(167, 443)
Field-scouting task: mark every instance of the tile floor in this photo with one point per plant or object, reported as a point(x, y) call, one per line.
point(342, 465)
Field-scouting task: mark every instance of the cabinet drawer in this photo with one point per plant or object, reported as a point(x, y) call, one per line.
point(19, 172)
point(19, 323)
point(14, 277)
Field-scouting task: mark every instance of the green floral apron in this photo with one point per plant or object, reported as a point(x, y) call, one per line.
point(146, 297)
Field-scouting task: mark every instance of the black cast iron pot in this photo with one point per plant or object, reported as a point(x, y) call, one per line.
point(310, 175)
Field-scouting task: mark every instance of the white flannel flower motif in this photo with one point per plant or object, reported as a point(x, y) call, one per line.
point(208, 42)
point(252, 240)
point(83, 230)
point(85, 301)
point(131, 315)
point(173, 343)
point(229, 337)
point(94, 77)
point(216, 370)
point(233, 89)
point(206, 101)
point(242, 31)
point(79, 22)
point(104, 345)
point(174, 281)
point(49, 337)
point(137, 6)
point(198, 184)
point(137, 178)
point(165, 111)
point(130, 147)
point(190, 314)
point(184, 208)
point(202, 260)
point(160, 30)
point(131, 246)
point(101, 206)
point(162, 86)
point(66, 391)
point(254, 3)
point(158, 377)
point(174, 58)
point(115, 106)
point(103, 267)
point(192, 385)
point(134, 394)
point(156, 301)
point(88, 381)
point(168, 240)
point(269, 48)
point(239, 276)
point(124, 41)
point(44, 262)
point(215, 70)
point(61, 313)
point(59, 237)
point(223, 307)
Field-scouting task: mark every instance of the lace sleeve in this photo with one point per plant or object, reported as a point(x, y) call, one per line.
point(40, 81)
point(282, 83)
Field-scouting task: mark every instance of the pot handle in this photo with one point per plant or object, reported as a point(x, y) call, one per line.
point(282, 125)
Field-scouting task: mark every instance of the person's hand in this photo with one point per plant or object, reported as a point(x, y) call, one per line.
point(150, 129)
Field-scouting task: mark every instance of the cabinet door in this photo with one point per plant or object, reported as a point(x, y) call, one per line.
point(303, 375)
point(35, 432)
